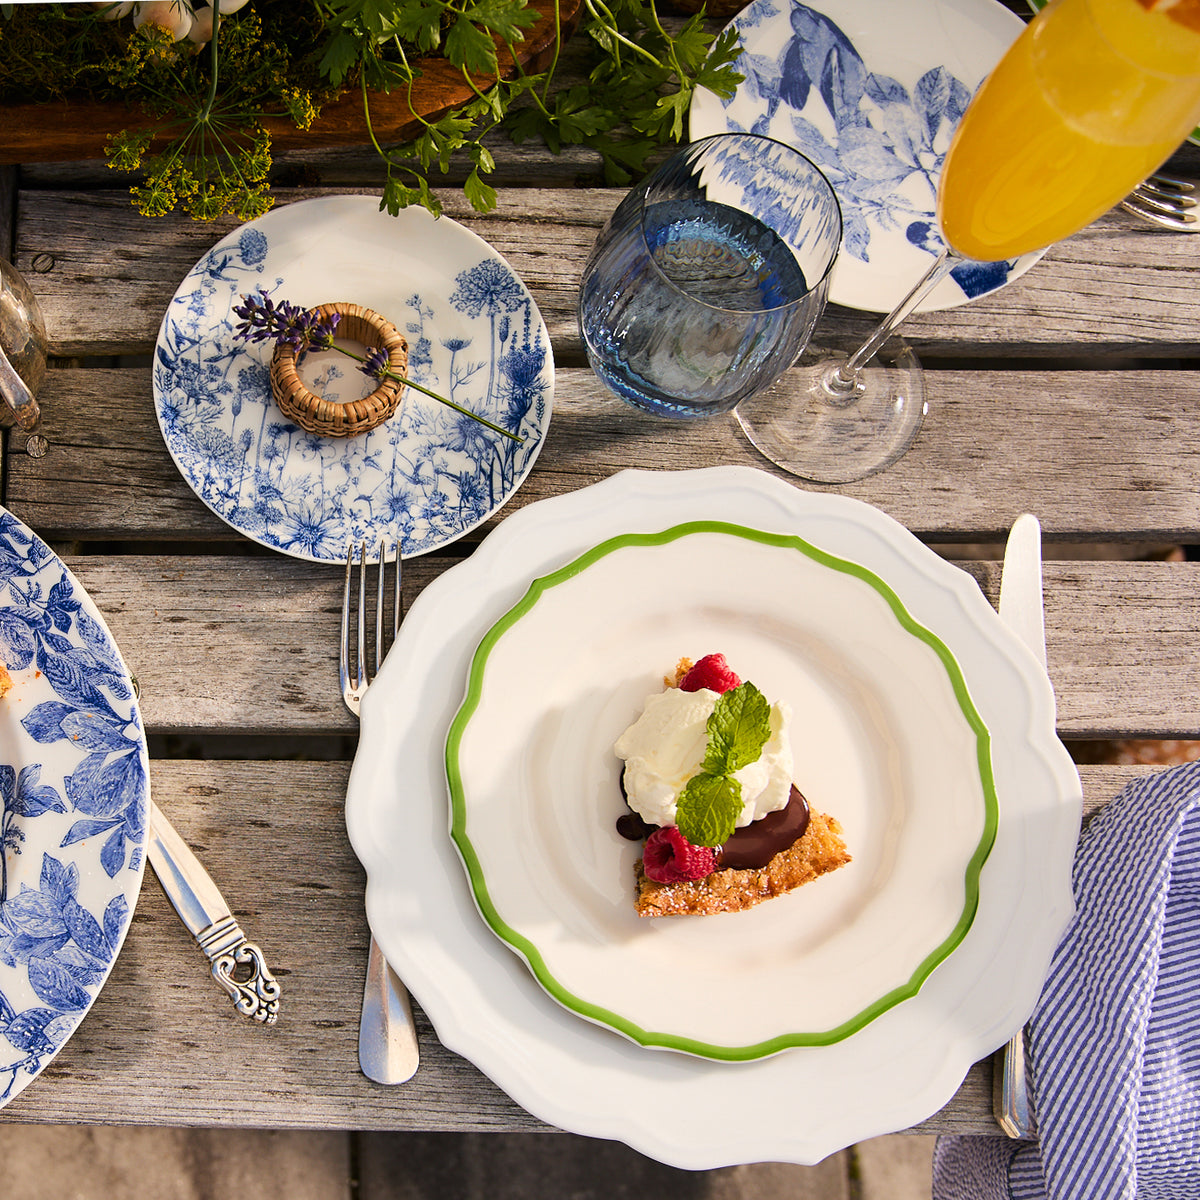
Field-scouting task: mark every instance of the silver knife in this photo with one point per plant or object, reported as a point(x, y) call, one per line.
point(203, 910)
point(1021, 609)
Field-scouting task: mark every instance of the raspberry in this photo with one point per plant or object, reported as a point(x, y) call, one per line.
point(670, 858)
point(711, 672)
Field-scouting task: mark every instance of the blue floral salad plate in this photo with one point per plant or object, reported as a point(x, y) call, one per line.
point(872, 93)
point(420, 480)
point(74, 795)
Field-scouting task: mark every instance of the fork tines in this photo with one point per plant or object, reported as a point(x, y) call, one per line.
point(357, 650)
point(1169, 185)
point(1166, 201)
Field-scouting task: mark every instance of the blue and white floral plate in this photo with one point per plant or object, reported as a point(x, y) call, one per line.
point(872, 94)
point(74, 794)
point(422, 479)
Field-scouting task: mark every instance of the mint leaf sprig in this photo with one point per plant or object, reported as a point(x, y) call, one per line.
point(738, 729)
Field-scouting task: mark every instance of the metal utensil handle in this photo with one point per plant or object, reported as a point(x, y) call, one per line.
point(228, 950)
point(1022, 610)
point(1010, 1090)
point(387, 1039)
point(16, 395)
point(202, 908)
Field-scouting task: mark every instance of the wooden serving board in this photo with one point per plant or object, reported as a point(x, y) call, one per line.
point(70, 130)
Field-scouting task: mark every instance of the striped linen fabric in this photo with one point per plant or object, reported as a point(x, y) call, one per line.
point(1114, 1043)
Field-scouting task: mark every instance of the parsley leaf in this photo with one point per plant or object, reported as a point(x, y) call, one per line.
point(505, 18)
point(420, 22)
point(481, 195)
point(469, 47)
point(340, 57)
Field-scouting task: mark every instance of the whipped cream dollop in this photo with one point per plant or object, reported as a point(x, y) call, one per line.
point(665, 746)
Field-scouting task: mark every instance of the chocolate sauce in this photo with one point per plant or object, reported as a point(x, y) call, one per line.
point(632, 828)
point(752, 846)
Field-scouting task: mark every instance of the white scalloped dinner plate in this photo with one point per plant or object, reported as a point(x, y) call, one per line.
point(804, 1103)
point(885, 738)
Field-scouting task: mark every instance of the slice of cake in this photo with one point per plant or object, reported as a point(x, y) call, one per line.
point(708, 783)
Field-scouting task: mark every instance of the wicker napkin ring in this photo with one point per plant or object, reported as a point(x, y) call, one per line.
point(353, 417)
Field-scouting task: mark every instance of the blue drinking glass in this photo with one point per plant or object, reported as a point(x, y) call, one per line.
point(706, 282)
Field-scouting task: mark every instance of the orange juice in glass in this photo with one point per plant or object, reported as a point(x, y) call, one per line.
point(1090, 99)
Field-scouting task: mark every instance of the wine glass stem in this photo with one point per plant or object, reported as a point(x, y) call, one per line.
point(843, 379)
point(16, 395)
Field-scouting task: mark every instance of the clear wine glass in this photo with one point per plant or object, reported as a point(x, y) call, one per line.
point(1090, 99)
point(707, 280)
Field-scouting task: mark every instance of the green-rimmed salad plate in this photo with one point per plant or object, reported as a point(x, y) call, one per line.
point(885, 738)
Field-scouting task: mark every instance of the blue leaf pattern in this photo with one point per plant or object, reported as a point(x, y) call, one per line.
point(880, 145)
point(423, 478)
point(45, 723)
point(53, 985)
point(82, 830)
point(28, 1031)
point(55, 949)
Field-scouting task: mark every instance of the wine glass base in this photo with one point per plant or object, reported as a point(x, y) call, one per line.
point(815, 435)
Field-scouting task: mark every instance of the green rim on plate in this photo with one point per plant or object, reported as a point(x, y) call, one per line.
point(524, 947)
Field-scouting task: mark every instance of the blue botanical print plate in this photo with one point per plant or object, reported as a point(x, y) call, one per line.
point(872, 93)
point(74, 794)
point(420, 480)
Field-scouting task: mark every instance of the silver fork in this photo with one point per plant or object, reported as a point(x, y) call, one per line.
point(1166, 201)
point(387, 1041)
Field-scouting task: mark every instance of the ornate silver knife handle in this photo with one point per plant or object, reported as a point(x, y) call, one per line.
point(203, 910)
point(228, 950)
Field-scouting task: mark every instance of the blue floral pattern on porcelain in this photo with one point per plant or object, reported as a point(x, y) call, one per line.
point(423, 478)
point(880, 141)
point(74, 794)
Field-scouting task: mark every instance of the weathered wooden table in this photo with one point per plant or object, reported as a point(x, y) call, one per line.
point(1071, 394)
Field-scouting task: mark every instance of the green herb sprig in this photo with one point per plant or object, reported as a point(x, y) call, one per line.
point(738, 729)
point(206, 151)
point(636, 97)
point(210, 103)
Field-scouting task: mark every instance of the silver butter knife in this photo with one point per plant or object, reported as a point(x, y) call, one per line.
point(203, 910)
point(1021, 609)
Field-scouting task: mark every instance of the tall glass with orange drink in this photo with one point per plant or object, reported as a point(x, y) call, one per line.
point(1090, 99)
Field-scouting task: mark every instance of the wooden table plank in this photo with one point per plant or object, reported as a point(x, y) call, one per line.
point(1121, 286)
point(249, 645)
point(1098, 455)
point(163, 1046)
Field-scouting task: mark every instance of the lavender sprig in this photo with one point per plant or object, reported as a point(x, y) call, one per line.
point(288, 324)
point(262, 319)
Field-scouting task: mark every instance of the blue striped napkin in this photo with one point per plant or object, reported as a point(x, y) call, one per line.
point(1114, 1043)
